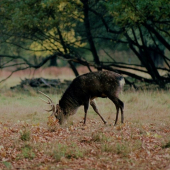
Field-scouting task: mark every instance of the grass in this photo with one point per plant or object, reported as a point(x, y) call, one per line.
point(99, 137)
point(25, 135)
point(32, 140)
point(27, 152)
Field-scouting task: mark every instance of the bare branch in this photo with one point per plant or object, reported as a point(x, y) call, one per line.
point(12, 74)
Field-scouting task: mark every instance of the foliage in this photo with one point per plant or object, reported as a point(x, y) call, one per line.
point(135, 12)
point(79, 30)
point(146, 29)
point(42, 21)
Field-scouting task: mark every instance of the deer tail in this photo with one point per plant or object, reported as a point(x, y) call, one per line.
point(121, 82)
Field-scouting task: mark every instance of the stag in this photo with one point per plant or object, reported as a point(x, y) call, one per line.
point(84, 89)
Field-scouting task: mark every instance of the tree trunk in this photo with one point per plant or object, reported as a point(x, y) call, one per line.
point(156, 57)
point(73, 68)
point(89, 34)
point(53, 61)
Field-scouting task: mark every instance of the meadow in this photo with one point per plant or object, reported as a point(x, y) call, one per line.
point(30, 139)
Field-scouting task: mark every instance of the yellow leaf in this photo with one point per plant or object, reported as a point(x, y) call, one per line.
point(148, 134)
point(157, 136)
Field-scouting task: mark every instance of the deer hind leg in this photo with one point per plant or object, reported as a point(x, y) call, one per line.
point(117, 113)
point(86, 106)
point(93, 104)
point(119, 104)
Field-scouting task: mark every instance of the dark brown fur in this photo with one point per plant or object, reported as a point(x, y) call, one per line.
point(85, 88)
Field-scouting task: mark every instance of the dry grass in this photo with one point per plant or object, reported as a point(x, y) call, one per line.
point(144, 107)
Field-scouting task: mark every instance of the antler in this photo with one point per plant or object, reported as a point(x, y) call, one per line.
point(50, 102)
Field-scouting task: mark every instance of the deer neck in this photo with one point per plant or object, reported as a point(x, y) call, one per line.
point(68, 105)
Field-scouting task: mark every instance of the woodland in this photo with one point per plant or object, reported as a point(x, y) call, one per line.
point(36, 34)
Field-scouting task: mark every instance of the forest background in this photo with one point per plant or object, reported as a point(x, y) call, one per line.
point(130, 37)
point(59, 39)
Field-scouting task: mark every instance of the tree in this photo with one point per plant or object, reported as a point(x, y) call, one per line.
point(69, 30)
point(39, 24)
point(146, 27)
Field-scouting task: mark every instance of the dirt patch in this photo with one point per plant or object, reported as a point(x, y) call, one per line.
point(54, 71)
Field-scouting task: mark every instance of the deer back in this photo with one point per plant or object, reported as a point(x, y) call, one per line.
point(91, 85)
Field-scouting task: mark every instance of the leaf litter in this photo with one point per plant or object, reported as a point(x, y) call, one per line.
point(74, 146)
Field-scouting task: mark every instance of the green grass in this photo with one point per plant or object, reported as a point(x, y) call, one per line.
point(25, 135)
point(66, 152)
point(26, 152)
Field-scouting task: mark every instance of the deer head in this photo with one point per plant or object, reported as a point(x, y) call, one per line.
point(56, 109)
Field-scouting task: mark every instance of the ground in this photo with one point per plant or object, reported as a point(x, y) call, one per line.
point(30, 139)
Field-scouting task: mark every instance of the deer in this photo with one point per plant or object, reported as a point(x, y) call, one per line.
point(83, 90)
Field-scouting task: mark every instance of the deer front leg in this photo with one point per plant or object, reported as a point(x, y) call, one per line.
point(93, 104)
point(86, 106)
